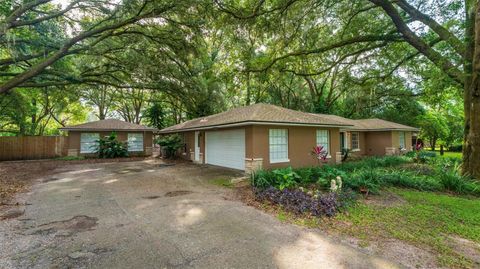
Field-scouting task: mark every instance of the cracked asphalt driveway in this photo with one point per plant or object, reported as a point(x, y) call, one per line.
point(147, 215)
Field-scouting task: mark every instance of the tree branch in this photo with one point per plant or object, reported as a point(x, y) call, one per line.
point(343, 43)
point(418, 43)
point(441, 31)
point(64, 50)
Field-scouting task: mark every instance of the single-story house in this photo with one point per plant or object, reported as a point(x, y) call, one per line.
point(82, 138)
point(267, 136)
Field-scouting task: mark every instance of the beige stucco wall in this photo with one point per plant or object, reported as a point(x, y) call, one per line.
point(301, 141)
point(376, 142)
point(74, 139)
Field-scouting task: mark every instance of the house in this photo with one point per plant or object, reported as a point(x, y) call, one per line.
point(82, 138)
point(268, 136)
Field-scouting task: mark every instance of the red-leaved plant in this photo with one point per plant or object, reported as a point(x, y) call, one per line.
point(320, 154)
point(418, 146)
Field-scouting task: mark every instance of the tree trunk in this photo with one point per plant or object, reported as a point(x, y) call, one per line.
point(470, 25)
point(471, 151)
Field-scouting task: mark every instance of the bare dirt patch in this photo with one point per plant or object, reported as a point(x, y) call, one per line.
point(74, 225)
point(151, 197)
point(466, 248)
point(177, 193)
point(385, 199)
point(11, 213)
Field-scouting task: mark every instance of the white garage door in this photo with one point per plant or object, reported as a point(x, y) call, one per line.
point(226, 148)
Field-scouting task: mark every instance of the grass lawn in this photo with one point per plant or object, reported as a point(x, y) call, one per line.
point(450, 154)
point(425, 219)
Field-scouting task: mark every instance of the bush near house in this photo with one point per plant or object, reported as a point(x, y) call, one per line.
point(110, 147)
point(170, 144)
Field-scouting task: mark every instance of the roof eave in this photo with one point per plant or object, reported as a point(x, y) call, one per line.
point(245, 123)
point(106, 130)
point(384, 129)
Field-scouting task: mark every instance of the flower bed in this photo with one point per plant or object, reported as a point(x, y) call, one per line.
point(299, 201)
point(328, 187)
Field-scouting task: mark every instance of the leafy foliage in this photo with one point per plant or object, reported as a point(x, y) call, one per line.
point(300, 202)
point(375, 173)
point(170, 144)
point(110, 147)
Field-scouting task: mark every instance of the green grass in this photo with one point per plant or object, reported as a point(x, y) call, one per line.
point(425, 220)
point(449, 154)
point(222, 182)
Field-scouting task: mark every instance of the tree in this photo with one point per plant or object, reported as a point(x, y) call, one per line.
point(371, 30)
point(155, 116)
point(101, 97)
point(433, 128)
point(104, 21)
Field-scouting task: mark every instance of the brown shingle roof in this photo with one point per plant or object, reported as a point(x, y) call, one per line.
point(257, 113)
point(378, 124)
point(265, 113)
point(108, 125)
point(373, 124)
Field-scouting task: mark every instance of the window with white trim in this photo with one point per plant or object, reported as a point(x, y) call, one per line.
point(323, 139)
point(278, 145)
point(89, 142)
point(355, 140)
point(135, 142)
point(401, 136)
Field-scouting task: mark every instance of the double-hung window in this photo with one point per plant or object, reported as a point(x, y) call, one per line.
point(355, 140)
point(88, 142)
point(135, 142)
point(401, 136)
point(278, 145)
point(323, 139)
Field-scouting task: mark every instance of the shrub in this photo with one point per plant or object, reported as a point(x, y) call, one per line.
point(456, 148)
point(364, 179)
point(286, 178)
point(373, 162)
point(263, 179)
point(424, 156)
point(110, 147)
point(170, 144)
point(406, 179)
point(411, 154)
point(451, 179)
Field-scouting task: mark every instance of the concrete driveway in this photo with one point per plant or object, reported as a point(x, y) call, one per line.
point(148, 215)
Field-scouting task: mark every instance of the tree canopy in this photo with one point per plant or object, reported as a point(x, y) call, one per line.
point(163, 62)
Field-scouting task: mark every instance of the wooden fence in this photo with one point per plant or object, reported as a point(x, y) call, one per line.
point(32, 147)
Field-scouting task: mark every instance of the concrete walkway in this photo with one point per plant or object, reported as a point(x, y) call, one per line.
point(148, 215)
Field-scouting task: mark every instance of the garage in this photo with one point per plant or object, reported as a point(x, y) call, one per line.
point(226, 148)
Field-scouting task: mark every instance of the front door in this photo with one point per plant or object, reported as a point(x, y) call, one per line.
point(342, 141)
point(197, 146)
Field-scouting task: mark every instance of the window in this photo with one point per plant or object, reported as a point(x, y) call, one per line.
point(278, 141)
point(88, 142)
point(401, 136)
point(135, 142)
point(355, 141)
point(323, 140)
